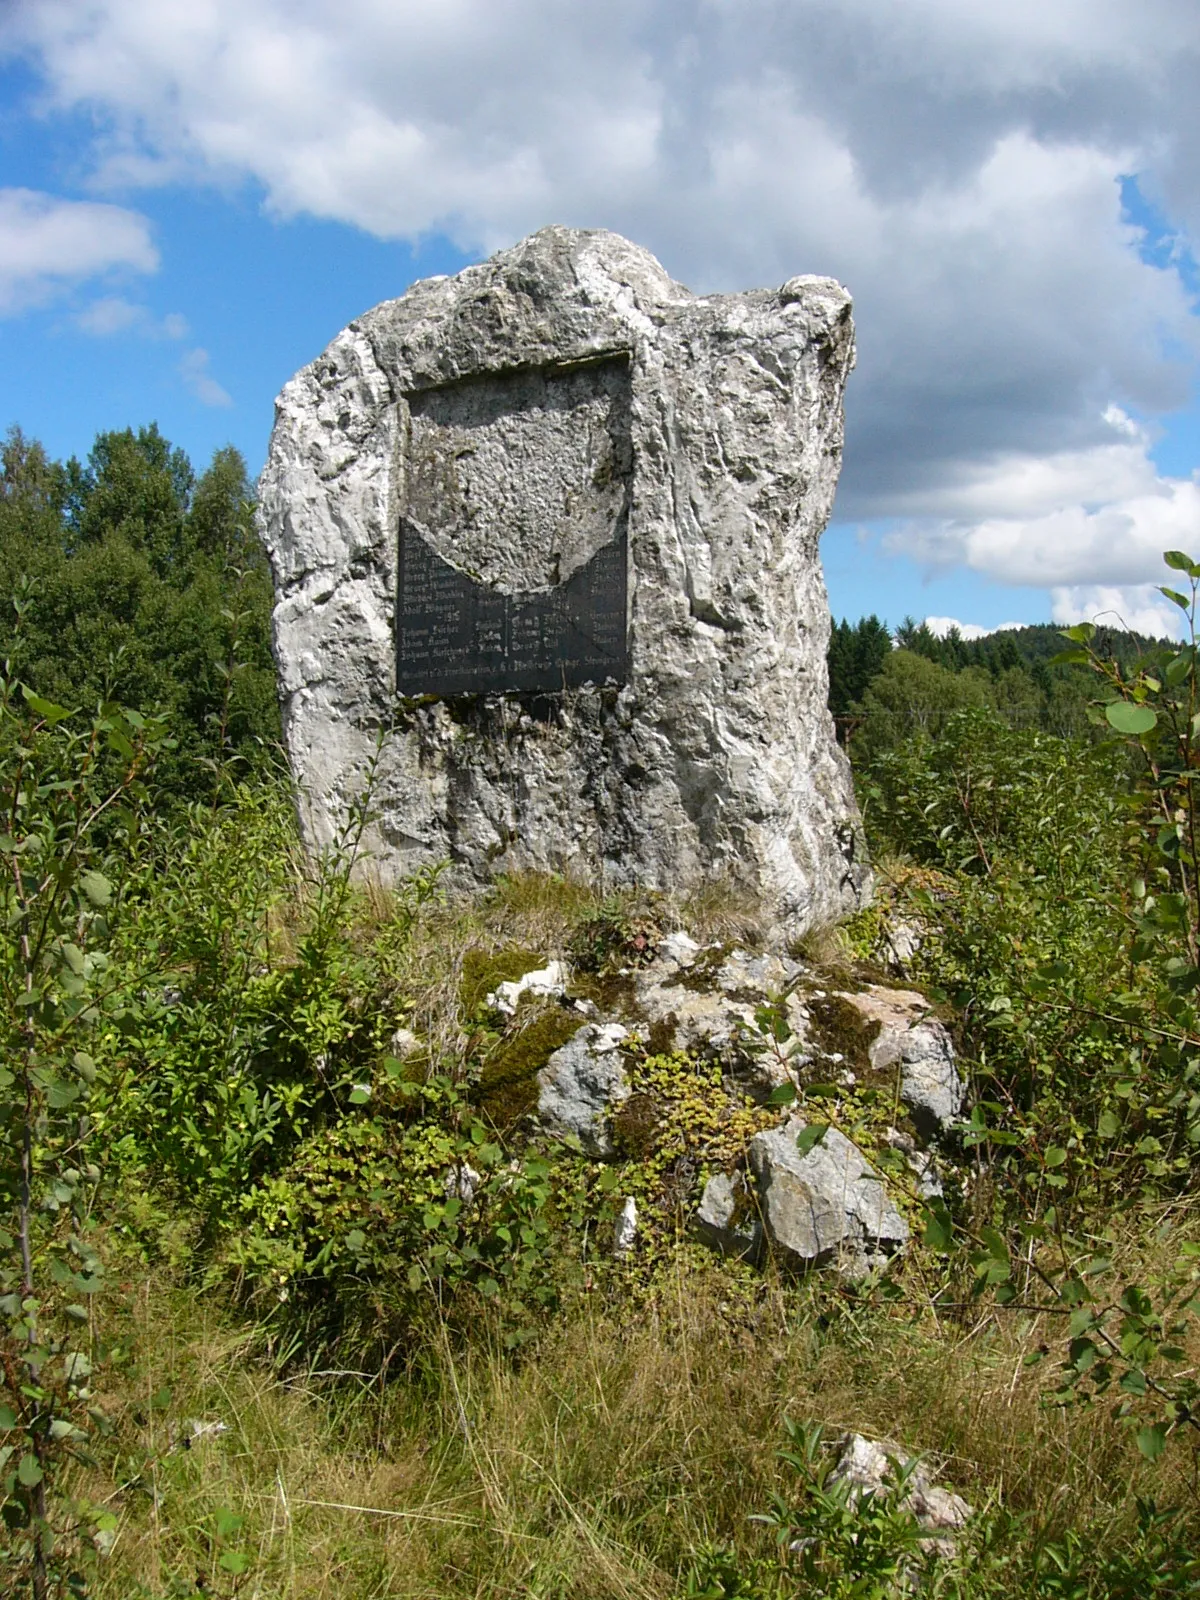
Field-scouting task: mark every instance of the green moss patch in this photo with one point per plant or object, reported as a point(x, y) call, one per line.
point(508, 1087)
point(839, 1028)
point(483, 971)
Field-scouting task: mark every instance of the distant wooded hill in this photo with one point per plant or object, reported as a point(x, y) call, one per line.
point(882, 688)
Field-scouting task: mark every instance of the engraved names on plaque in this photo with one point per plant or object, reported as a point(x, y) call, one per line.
point(457, 636)
point(513, 544)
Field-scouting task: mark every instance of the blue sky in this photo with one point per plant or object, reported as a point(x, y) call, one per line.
point(195, 198)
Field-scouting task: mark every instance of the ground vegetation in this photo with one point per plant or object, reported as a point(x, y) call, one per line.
point(296, 1298)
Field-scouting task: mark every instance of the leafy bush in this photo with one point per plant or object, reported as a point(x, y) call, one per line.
point(60, 777)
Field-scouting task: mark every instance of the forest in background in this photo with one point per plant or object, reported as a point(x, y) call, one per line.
point(252, 1344)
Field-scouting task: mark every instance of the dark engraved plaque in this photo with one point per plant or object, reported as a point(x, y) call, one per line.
point(457, 636)
point(513, 536)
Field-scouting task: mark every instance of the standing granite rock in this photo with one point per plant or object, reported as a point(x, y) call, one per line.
point(545, 533)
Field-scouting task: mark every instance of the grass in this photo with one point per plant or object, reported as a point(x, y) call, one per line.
point(594, 1467)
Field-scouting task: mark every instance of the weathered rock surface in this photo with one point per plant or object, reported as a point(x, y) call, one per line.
point(826, 1206)
point(869, 1467)
point(581, 1084)
point(727, 1218)
point(930, 1083)
point(563, 456)
point(708, 1003)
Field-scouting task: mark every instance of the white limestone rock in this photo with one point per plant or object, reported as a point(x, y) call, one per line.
point(870, 1468)
point(710, 1005)
point(827, 1206)
point(546, 983)
point(931, 1086)
point(625, 1232)
point(727, 1217)
point(563, 404)
point(580, 1086)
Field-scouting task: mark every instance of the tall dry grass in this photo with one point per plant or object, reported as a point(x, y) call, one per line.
point(591, 1468)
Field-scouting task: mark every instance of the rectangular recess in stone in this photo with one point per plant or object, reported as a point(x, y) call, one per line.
point(513, 544)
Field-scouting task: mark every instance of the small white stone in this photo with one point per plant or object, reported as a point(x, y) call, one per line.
point(680, 948)
point(461, 1183)
point(626, 1230)
point(547, 983)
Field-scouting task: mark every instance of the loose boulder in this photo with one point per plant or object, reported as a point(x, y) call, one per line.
point(907, 1035)
point(581, 1084)
point(826, 1206)
point(727, 1217)
point(870, 1467)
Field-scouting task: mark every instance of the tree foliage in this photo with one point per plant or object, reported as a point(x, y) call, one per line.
point(146, 585)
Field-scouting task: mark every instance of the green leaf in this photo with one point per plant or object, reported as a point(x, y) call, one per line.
point(1152, 1441)
point(46, 709)
point(1109, 1125)
point(1081, 633)
point(1181, 600)
point(360, 1094)
point(227, 1522)
point(60, 1093)
point(8, 1418)
point(1178, 561)
point(784, 1095)
point(234, 1561)
point(1130, 719)
point(1069, 658)
point(96, 887)
point(995, 1244)
point(74, 958)
point(1178, 668)
point(1055, 1156)
point(939, 1229)
point(29, 1473)
point(809, 1137)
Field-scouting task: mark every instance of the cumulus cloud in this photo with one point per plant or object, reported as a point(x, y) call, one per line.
point(958, 164)
point(940, 627)
point(199, 381)
point(113, 314)
point(48, 244)
point(1137, 606)
point(1102, 516)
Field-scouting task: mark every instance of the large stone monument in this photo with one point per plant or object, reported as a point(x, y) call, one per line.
point(544, 538)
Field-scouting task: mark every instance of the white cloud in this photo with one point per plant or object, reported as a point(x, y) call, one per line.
point(941, 626)
point(957, 163)
point(1137, 606)
point(1099, 516)
point(48, 244)
point(199, 381)
point(113, 314)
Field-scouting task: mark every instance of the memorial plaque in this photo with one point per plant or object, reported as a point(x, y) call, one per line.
point(512, 548)
point(456, 636)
